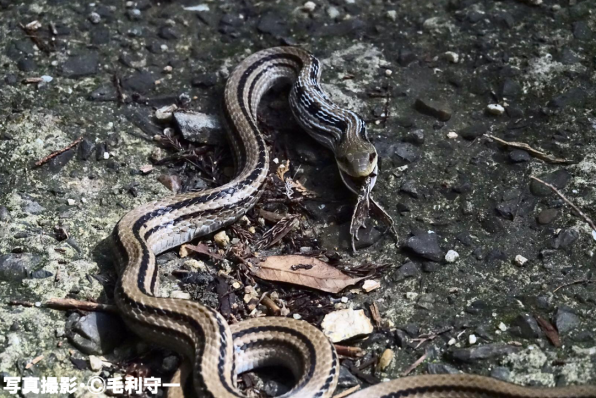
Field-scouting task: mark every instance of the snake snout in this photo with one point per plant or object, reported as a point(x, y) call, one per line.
point(360, 164)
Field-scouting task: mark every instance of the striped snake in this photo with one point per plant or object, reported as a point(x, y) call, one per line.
point(214, 351)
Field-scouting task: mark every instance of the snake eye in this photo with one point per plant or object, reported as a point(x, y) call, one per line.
point(372, 156)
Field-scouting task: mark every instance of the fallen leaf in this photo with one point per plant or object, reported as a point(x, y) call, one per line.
point(172, 182)
point(303, 271)
point(201, 249)
point(549, 331)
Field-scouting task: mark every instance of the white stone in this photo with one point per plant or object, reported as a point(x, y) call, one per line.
point(46, 78)
point(495, 109)
point(200, 7)
point(332, 12)
point(344, 324)
point(344, 299)
point(451, 256)
point(520, 260)
point(297, 316)
point(178, 294)
point(451, 341)
point(451, 57)
point(472, 339)
point(95, 363)
point(221, 239)
point(388, 72)
point(411, 295)
point(369, 285)
point(502, 327)
point(106, 155)
point(309, 6)
point(165, 112)
point(392, 15)
point(452, 135)
point(71, 202)
point(594, 234)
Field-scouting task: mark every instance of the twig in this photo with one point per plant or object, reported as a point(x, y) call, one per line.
point(58, 152)
point(581, 213)
point(376, 315)
point(33, 362)
point(536, 153)
point(347, 392)
point(414, 365)
point(267, 302)
point(549, 331)
point(69, 304)
point(575, 283)
point(352, 352)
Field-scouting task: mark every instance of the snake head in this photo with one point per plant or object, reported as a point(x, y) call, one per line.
point(356, 158)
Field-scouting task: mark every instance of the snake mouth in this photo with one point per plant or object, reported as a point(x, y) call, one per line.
point(355, 184)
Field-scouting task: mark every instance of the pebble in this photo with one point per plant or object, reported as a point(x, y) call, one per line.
point(452, 135)
point(221, 239)
point(178, 294)
point(392, 15)
point(16, 266)
point(408, 270)
point(525, 326)
point(438, 109)
point(472, 339)
point(519, 156)
point(495, 109)
point(415, 137)
point(501, 373)
point(94, 18)
point(451, 56)
point(309, 6)
point(370, 285)
point(487, 351)
point(332, 12)
point(451, 256)
point(566, 238)
point(386, 359)
point(95, 363)
point(96, 332)
point(520, 260)
point(425, 245)
point(434, 368)
point(344, 324)
point(566, 320)
point(199, 128)
point(346, 379)
point(165, 113)
point(82, 65)
point(559, 179)
point(547, 216)
point(502, 327)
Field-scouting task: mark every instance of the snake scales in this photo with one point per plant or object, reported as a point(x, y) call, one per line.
point(215, 350)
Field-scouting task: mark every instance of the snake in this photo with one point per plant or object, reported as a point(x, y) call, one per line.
point(214, 351)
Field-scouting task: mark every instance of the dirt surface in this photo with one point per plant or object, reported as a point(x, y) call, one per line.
point(431, 79)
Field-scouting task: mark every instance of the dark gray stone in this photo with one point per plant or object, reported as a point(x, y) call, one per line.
point(58, 162)
point(565, 320)
point(437, 109)
point(168, 33)
point(582, 31)
point(565, 239)
point(501, 373)
point(576, 97)
point(274, 388)
point(204, 80)
point(409, 187)
point(141, 82)
point(415, 137)
point(85, 149)
point(406, 56)
point(425, 245)
point(472, 132)
point(346, 379)
point(487, 351)
point(106, 92)
point(519, 156)
point(434, 368)
point(273, 24)
point(32, 207)
point(559, 179)
point(26, 65)
point(4, 214)
point(81, 65)
point(96, 332)
point(525, 326)
point(15, 267)
point(510, 88)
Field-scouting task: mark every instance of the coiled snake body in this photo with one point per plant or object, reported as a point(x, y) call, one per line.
point(216, 351)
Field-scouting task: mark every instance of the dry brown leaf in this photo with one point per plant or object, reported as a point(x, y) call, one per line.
point(303, 271)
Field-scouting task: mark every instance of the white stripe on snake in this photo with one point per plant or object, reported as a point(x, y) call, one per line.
point(215, 351)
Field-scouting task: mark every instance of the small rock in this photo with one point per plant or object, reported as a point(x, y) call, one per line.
point(409, 187)
point(333, 12)
point(309, 6)
point(472, 339)
point(437, 109)
point(204, 80)
point(575, 97)
point(141, 82)
point(451, 57)
point(487, 351)
point(565, 239)
point(547, 216)
point(177, 294)
point(582, 31)
point(346, 379)
point(386, 359)
point(81, 65)
point(221, 239)
point(519, 156)
point(559, 179)
point(452, 135)
point(425, 245)
point(472, 132)
point(172, 182)
point(106, 92)
point(520, 260)
point(501, 373)
point(4, 214)
point(165, 113)
point(510, 89)
point(32, 207)
point(392, 15)
point(344, 324)
point(95, 363)
point(565, 320)
point(95, 333)
point(451, 256)
point(495, 109)
point(94, 18)
point(405, 57)
point(16, 266)
point(408, 270)
point(168, 33)
point(199, 128)
point(440, 368)
point(370, 285)
point(415, 137)
point(26, 65)
point(526, 326)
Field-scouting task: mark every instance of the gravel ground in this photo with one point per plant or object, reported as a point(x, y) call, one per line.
point(486, 256)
